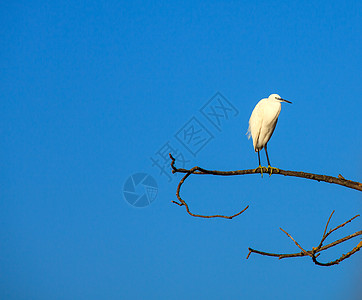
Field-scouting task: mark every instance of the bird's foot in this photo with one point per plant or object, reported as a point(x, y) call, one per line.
point(261, 170)
point(270, 170)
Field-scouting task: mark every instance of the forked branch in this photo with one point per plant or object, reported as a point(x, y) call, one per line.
point(316, 251)
point(183, 202)
point(340, 180)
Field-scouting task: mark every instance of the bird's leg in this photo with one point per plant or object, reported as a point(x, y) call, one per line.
point(260, 167)
point(270, 168)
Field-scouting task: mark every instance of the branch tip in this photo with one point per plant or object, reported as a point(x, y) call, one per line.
point(316, 251)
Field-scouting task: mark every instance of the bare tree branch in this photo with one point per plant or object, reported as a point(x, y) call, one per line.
point(340, 180)
point(315, 251)
point(299, 246)
point(200, 171)
point(183, 203)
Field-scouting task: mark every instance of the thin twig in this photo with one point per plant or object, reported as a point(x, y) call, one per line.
point(183, 202)
point(315, 252)
point(325, 230)
point(299, 246)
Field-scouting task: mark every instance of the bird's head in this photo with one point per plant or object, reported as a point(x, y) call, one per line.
point(276, 97)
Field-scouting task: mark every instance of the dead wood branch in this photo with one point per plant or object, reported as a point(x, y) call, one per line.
point(315, 251)
point(200, 171)
point(183, 202)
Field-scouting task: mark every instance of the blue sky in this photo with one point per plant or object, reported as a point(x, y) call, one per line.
point(91, 91)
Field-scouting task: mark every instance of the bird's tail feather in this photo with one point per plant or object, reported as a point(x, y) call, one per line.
point(248, 133)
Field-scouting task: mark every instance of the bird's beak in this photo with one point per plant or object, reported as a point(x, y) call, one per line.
point(285, 100)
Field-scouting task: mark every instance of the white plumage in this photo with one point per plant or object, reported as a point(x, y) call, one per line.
point(262, 122)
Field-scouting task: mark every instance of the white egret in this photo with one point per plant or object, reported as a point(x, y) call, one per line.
point(262, 123)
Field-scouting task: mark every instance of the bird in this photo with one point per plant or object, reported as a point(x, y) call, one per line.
point(262, 123)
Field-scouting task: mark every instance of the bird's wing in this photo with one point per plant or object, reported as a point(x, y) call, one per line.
point(268, 127)
point(255, 123)
point(274, 122)
point(275, 125)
